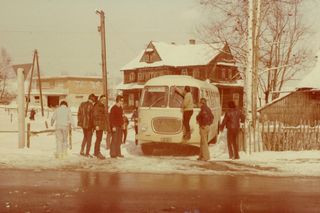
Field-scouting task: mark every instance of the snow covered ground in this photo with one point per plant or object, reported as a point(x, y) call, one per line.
point(40, 156)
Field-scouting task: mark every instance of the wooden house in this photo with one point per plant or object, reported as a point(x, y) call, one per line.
point(202, 61)
point(299, 106)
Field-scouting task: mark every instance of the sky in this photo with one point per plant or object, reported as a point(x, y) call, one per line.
point(40, 155)
point(65, 31)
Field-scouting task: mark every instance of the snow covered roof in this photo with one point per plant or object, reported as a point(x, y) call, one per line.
point(237, 83)
point(72, 76)
point(227, 64)
point(178, 55)
point(312, 80)
point(47, 92)
point(123, 86)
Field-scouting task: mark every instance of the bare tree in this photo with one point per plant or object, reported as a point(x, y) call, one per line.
point(5, 62)
point(283, 48)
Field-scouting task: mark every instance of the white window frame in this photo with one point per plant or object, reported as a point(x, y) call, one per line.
point(184, 71)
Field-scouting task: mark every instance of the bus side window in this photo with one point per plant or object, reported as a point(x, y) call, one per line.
point(195, 95)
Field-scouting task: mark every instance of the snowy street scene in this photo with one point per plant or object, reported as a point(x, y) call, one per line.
point(146, 106)
point(40, 156)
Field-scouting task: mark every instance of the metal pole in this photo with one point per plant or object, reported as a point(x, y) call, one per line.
point(102, 31)
point(20, 102)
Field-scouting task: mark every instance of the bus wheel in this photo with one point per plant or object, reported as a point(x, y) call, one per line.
point(147, 149)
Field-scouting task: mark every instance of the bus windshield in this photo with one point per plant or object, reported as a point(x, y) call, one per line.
point(155, 96)
point(176, 98)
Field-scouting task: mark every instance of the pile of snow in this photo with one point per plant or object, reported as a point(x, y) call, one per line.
point(40, 156)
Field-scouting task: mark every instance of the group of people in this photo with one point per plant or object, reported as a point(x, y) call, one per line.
point(231, 121)
point(93, 117)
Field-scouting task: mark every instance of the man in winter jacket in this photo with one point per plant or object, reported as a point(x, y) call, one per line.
point(62, 118)
point(204, 119)
point(232, 120)
point(86, 123)
point(116, 123)
point(99, 117)
point(187, 107)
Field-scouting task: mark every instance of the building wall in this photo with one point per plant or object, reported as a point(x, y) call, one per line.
point(76, 90)
point(294, 108)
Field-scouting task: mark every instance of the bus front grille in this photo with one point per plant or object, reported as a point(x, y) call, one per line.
point(165, 125)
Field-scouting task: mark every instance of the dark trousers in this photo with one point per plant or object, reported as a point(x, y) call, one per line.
point(186, 120)
point(136, 131)
point(86, 142)
point(232, 143)
point(116, 142)
point(98, 142)
point(125, 133)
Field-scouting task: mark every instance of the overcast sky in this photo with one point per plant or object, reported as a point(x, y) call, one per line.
point(65, 31)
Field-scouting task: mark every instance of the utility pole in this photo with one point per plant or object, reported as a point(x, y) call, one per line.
point(256, 50)
point(35, 62)
point(20, 103)
point(102, 31)
point(251, 75)
point(248, 79)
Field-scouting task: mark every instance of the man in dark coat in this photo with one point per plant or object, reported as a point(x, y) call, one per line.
point(85, 122)
point(116, 123)
point(99, 116)
point(232, 120)
point(204, 119)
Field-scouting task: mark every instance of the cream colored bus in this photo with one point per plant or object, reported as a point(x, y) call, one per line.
point(160, 114)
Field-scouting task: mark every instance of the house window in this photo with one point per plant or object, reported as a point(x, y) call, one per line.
point(196, 73)
point(230, 74)
point(59, 84)
point(37, 99)
point(44, 85)
point(131, 100)
point(147, 76)
point(132, 76)
point(223, 74)
point(140, 76)
point(236, 98)
point(184, 71)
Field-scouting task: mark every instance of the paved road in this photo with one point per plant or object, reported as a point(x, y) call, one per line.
point(63, 191)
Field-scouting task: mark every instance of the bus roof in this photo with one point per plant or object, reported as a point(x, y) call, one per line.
point(179, 80)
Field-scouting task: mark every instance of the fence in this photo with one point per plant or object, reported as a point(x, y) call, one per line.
point(278, 137)
point(30, 133)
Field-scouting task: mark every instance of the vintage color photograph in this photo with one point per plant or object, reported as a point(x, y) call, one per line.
point(149, 106)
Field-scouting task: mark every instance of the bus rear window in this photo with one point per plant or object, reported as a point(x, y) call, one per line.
point(176, 98)
point(155, 96)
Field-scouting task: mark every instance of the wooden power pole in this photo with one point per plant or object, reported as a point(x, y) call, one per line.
point(35, 62)
point(102, 31)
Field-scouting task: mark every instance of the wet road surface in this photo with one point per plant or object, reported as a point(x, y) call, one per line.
point(63, 191)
